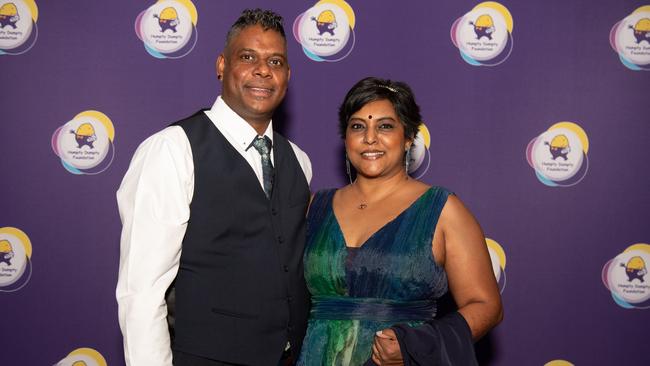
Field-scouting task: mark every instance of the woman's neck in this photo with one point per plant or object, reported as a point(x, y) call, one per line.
point(373, 190)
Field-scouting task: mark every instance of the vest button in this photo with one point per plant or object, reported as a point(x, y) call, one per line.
point(280, 239)
point(274, 212)
point(286, 268)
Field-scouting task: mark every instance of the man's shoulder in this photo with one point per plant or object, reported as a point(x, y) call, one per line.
point(170, 136)
point(174, 134)
point(192, 119)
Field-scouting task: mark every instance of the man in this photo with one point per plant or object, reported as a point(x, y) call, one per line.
point(205, 206)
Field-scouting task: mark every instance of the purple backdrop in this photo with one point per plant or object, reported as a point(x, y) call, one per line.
point(556, 240)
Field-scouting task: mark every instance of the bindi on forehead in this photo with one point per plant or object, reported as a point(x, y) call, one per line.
point(370, 116)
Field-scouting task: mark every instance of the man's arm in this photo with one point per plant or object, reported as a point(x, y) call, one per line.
point(153, 201)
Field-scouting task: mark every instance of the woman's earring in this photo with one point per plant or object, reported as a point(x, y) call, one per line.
point(407, 160)
point(347, 168)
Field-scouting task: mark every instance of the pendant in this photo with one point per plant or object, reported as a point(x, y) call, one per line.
point(362, 206)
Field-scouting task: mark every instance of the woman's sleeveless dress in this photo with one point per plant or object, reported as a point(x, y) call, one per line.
point(392, 278)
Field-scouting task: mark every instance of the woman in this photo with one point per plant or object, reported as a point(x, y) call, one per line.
point(382, 249)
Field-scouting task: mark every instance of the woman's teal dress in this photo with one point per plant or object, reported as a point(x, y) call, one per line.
point(392, 278)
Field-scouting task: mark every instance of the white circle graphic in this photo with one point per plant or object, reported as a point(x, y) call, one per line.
point(628, 274)
point(17, 257)
point(496, 266)
point(485, 44)
point(78, 359)
point(558, 154)
point(83, 149)
point(418, 151)
point(636, 50)
point(11, 37)
point(162, 33)
point(324, 38)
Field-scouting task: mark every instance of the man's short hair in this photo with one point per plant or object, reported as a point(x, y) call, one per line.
point(267, 19)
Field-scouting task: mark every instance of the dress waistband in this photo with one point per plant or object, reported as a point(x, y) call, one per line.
point(364, 308)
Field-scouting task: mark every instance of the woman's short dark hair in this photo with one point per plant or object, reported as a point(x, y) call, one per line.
point(371, 89)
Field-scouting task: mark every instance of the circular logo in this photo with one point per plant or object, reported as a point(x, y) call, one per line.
point(83, 357)
point(484, 34)
point(630, 38)
point(326, 30)
point(15, 259)
point(625, 276)
point(559, 155)
point(168, 28)
point(85, 143)
point(18, 30)
point(498, 259)
point(419, 155)
point(558, 363)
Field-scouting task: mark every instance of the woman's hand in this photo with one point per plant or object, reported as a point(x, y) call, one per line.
point(385, 349)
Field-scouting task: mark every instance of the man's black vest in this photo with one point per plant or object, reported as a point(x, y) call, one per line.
point(240, 288)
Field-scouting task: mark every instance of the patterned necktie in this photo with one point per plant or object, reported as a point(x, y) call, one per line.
point(263, 146)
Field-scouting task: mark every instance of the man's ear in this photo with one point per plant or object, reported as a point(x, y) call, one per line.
point(221, 64)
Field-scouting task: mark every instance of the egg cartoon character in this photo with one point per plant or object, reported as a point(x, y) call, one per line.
point(635, 269)
point(6, 252)
point(8, 15)
point(85, 135)
point(559, 146)
point(483, 26)
point(325, 22)
point(168, 19)
point(642, 30)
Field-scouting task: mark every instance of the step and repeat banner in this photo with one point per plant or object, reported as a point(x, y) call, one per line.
point(536, 113)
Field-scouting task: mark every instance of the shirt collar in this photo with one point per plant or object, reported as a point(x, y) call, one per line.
point(229, 121)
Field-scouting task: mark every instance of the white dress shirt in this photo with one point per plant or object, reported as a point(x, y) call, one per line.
point(154, 204)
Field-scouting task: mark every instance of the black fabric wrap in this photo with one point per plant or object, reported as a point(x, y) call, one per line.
point(441, 342)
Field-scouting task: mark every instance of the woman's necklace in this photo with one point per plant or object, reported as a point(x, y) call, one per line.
point(364, 202)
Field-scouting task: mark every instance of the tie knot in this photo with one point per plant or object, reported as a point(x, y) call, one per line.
point(262, 145)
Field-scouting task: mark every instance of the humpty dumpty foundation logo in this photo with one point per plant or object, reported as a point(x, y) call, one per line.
point(83, 357)
point(630, 38)
point(498, 259)
point(168, 28)
point(484, 34)
point(85, 144)
point(18, 30)
point(626, 277)
point(559, 155)
point(15, 259)
point(326, 30)
point(419, 158)
point(558, 363)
